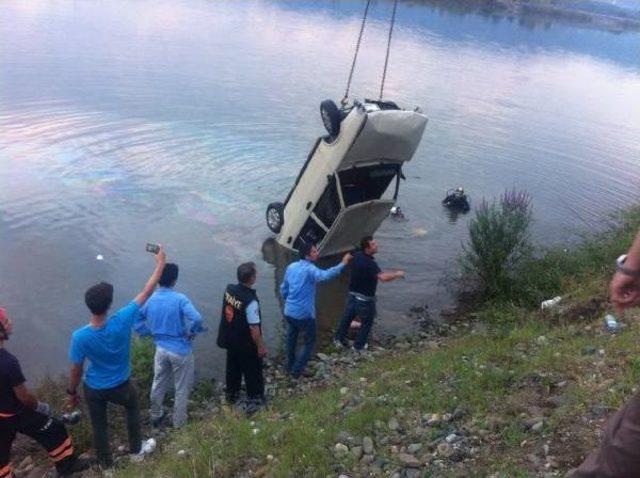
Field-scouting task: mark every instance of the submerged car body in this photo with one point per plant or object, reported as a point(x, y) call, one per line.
point(338, 196)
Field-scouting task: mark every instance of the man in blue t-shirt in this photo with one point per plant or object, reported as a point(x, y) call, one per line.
point(105, 343)
point(172, 320)
point(365, 274)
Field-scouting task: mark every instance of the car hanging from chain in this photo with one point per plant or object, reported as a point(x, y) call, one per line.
point(340, 194)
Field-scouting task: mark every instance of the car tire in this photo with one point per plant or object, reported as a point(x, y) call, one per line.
point(331, 117)
point(275, 216)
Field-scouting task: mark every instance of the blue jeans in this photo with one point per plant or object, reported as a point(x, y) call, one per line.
point(306, 327)
point(366, 311)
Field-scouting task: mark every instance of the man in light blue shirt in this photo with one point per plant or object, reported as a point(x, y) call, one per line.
point(172, 320)
point(299, 293)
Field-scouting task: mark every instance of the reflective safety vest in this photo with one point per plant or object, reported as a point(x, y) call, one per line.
point(233, 332)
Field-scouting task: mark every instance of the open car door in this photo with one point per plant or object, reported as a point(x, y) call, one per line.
point(357, 221)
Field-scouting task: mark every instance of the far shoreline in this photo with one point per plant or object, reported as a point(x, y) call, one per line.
point(543, 13)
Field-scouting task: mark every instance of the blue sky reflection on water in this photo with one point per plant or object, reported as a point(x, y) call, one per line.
point(125, 122)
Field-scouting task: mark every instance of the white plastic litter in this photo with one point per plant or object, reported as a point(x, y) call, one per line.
point(612, 323)
point(550, 303)
point(99, 257)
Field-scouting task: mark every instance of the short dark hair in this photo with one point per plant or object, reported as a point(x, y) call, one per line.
point(305, 249)
point(246, 272)
point(99, 297)
point(365, 242)
point(169, 275)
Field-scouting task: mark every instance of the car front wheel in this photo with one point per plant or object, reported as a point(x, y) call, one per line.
point(275, 216)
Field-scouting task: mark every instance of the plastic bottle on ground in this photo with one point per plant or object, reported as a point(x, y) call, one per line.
point(612, 324)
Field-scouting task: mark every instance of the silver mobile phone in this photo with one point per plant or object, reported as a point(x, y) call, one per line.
point(153, 248)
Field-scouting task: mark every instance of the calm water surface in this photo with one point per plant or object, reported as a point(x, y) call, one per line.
point(178, 121)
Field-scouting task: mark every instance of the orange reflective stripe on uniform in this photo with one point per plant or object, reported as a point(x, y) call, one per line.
point(5, 472)
point(63, 455)
point(61, 448)
point(6, 415)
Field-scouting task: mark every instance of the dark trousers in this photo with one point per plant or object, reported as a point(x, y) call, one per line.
point(619, 453)
point(244, 363)
point(124, 394)
point(366, 310)
point(47, 431)
point(297, 327)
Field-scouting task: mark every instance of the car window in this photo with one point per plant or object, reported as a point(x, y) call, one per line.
point(328, 206)
point(311, 233)
point(366, 183)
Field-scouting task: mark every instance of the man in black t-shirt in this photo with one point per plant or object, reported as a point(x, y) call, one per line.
point(21, 412)
point(361, 303)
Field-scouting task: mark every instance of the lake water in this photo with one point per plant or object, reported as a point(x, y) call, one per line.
point(179, 121)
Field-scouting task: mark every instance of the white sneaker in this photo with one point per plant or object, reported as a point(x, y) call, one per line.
point(146, 448)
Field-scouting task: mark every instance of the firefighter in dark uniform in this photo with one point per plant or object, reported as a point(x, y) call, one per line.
point(21, 412)
point(240, 333)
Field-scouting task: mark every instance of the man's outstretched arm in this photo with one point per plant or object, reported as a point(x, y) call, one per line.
point(149, 287)
point(390, 275)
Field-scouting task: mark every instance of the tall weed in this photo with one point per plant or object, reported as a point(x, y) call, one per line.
point(498, 242)
point(142, 355)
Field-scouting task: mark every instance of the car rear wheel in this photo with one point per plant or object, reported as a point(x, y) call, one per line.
point(331, 117)
point(275, 216)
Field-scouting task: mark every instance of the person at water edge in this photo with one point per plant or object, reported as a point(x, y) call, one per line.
point(619, 452)
point(298, 289)
point(365, 274)
point(240, 333)
point(105, 342)
point(21, 412)
point(172, 320)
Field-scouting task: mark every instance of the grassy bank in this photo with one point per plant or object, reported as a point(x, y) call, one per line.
point(525, 391)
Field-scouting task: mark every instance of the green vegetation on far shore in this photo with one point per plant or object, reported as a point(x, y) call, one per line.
point(514, 363)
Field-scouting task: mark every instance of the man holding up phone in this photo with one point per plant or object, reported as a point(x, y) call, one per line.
point(106, 342)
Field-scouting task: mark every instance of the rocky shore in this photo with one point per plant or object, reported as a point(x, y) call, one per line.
point(551, 381)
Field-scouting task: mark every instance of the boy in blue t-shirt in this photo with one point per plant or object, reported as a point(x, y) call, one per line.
point(105, 343)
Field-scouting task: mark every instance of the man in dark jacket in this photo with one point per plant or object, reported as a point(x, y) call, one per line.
point(240, 332)
point(361, 303)
point(21, 412)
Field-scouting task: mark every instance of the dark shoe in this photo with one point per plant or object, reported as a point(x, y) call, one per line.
point(80, 464)
point(305, 373)
point(156, 422)
point(254, 405)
